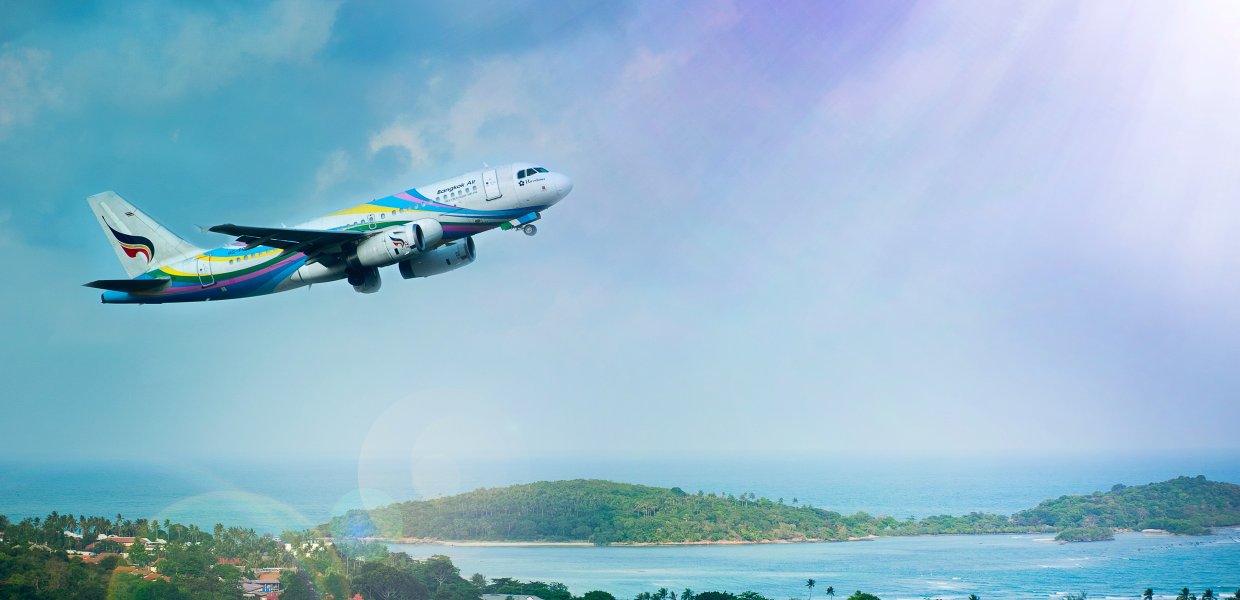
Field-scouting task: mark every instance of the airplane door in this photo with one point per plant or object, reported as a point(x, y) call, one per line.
point(490, 183)
point(204, 273)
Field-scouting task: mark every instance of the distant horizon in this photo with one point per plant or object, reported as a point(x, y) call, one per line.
point(308, 492)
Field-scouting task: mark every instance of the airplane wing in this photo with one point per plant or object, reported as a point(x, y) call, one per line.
point(306, 241)
point(129, 285)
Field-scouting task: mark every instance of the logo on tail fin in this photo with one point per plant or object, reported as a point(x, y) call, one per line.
point(133, 245)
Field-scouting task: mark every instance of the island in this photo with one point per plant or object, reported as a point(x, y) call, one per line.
point(606, 512)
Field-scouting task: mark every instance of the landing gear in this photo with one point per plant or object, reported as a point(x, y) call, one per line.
point(529, 229)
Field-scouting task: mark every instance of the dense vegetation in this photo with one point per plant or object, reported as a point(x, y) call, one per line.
point(1184, 505)
point(62, 556)
point(1085, 534)
point(605, 512)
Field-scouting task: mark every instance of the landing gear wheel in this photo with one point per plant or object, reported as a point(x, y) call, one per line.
point(529, 229)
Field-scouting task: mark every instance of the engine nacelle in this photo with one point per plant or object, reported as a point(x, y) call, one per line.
point(367, 281)
point(439, 260)
point(427, 233)
point(395, 244)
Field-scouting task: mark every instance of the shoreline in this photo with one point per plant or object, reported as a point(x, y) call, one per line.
point(516, 544)
point(868, 538)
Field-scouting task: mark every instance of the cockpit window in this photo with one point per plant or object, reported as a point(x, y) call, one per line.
point(521, 175)
point(540, 169)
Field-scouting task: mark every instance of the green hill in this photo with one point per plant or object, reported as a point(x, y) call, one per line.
point(605, 512)
point(1186, 505)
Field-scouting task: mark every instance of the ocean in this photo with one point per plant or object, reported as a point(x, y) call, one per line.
point(276, 496)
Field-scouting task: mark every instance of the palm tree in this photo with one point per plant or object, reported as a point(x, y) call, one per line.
point(1183, 594)
point(809, 583)
point(1208, 594)
point(831, 591)
point(974, 597)
point(1148, 594)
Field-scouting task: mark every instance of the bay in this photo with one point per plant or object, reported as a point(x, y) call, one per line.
point(950, 566)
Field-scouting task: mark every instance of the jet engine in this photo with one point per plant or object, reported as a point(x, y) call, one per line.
point(440, 260)
point(394, 244)
point(426, 233)
point(366, 281)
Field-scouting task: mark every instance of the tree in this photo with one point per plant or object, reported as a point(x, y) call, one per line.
point(598, 595)
point(1183, 594)
point(296, 586)
point(860, 595)
point(379, 581)
point(809, 583)
point(438, 569)
point(336, 584)
point(478, 579)
point(1148, 594)
point(1208, 594)
point(974, 597)
point(830, 591)
point(138, 554)
point(457, 589)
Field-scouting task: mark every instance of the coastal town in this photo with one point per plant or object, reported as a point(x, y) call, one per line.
point(147, 558)
point(62, 556)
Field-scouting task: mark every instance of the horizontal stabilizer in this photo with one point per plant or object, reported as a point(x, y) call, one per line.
point(130, 285)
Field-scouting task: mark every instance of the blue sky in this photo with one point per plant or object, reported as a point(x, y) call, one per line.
point(819, 230)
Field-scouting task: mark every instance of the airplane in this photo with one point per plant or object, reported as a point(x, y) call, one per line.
point(426, 231)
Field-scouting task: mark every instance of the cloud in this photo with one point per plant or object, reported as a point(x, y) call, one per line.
point(405, 136)
point(205, 50)
point(24, 88)
point(142, 55)
point(332, 171)
point(646, 64)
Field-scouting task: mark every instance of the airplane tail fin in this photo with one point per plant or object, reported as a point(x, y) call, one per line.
point(141, 243)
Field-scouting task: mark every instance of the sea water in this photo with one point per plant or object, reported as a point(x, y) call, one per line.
point(276, 496)
point(949, 566)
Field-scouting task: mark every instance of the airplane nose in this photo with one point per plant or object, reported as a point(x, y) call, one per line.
point(564, 186)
